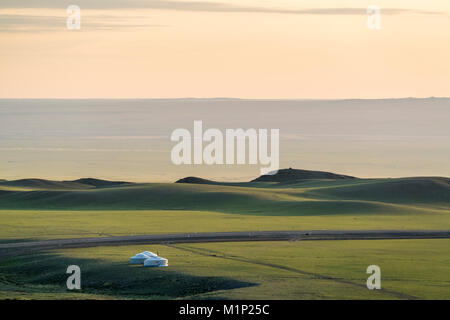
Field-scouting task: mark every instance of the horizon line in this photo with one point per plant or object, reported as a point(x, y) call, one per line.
point(241, 99)
point(126, 181)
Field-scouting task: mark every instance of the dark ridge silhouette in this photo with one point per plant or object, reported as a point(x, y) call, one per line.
point(290, 174)
point(98, 182)
point(196, 180)
point(44, 184)
point(282, 176)
point(85, 183)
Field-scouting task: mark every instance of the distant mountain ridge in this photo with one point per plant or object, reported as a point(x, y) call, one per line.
point(283, 175)
point(290, 174)
point(84, 183)
point(98, 182)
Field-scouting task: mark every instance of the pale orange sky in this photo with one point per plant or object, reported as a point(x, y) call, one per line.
point(246, 49)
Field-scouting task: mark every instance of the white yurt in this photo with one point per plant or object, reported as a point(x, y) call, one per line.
point(141, 257)
point(156, 262)
point(150, 254)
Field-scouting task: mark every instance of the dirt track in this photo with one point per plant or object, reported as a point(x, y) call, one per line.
point(24, 247)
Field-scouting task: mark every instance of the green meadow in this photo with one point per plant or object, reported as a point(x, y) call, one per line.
point(38, 209)
point(20, 224)
point(410, 269)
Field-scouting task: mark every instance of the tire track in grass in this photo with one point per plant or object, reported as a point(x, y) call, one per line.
point(221, 255)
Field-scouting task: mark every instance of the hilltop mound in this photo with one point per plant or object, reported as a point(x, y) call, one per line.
point(290, 174)
point(98, 183)
point(283, 175)
point(196, 180)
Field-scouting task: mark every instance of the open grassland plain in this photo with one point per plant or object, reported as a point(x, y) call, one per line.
point(39, 209)
point(410, 269)
point(39, 225)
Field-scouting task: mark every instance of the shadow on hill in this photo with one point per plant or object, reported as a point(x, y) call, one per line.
point(46, 273)
point(158, 198)
point(426, 190)
point(197, 198)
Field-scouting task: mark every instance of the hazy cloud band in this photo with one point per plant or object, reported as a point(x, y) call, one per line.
point(199, 6)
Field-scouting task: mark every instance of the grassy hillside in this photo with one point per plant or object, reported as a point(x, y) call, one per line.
point(312, 197)
point(415, 203)
point(432, 191)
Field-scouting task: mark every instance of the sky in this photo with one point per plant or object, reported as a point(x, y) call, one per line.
point(265, 49)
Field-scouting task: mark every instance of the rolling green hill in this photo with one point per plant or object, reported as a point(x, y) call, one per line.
point(427, 190)
point(307, 197)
